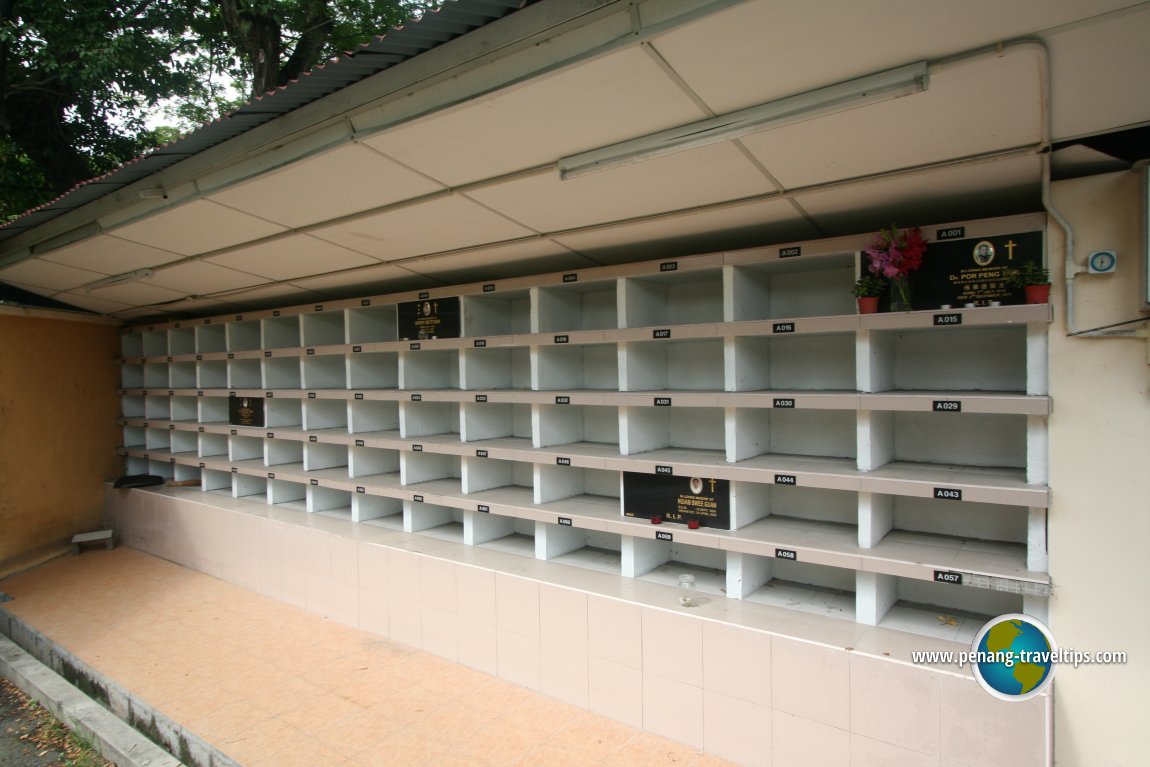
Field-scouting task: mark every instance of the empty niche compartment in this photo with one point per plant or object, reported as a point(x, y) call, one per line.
point(216, 481)
point(429, 369)
point(213, 409)
point(491, 420)
point(377, 510)
point(155, 343)
point(131, 345)
point(182, 375)
point(251, 488)
point(157, 439)
point(481, 474)
point(785, 431)
point(578, 306)
point(674, 365)
point(944, 610)
point(135, 465)
point(212, 374)
point(373, 370)
point(432, 519)
point(373, 324)
point(496, 368)
point(324, 371)
point(426, 419)
point(325, 415)
point(592, 492)
point(329, 502)
point(663, 562)
point(184, 443)
point(955, 439)
point(181, 472)
point(211, 339)
point(133, 436)
point(282, 372)
point(182, 341)
point(802, 586)
point(281, 332)
point(373, 416)
point(157, 407)
point(244, 336)
point(373, 463)
point(803, 362)
point(497, 314)
point(282, 413)
point(156, 375)
point(132, 406)
point(415, 468)
point(967, 359)
point(284, 453)
point(245, 449)
point(318, 455)
point(322, 328)
point(674, 298)
point(132, 376)
point(560, 367)
point(812, 286)
point(777, 512)
point(287, 494)
point(244, 374)
point(213, 445)
point(589, 549)
point(572, 424)
point(184, 409)
point(967, 521)
point(514, 536)
point(654, 428)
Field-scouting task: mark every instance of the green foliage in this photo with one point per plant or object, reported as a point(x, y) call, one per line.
point(79, 78)
point(870, 285)
point(1030, 273)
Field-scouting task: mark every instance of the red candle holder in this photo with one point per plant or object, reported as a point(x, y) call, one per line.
point(656, 520)
point(693, 524)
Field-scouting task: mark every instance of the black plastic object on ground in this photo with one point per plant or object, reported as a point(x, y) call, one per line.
point(138, 480)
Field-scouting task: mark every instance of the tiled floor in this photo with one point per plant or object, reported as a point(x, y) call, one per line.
point(269, 684)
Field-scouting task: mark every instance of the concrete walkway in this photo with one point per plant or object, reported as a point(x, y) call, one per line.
point(263, 683)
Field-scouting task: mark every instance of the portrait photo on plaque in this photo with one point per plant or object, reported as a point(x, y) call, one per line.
point(678, 499)
point(975, 271)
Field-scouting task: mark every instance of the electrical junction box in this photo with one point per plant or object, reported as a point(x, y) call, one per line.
point(1102, 262)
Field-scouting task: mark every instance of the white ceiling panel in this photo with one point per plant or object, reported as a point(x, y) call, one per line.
point(697, 177)
point(1099, 75)
point(347, 180)
point(94, 303)
point(963, 192)
point(500, 262)
point(272, 296)
point(138, 293)
point(359, 281)
point(600, 102)
point(45, 275)
point(110, 254)
point(1000, 94)
point(197, 227)
point(445, 223)
point(766, 49)
point(733, 226)
point(200, 277)
point(292, 257)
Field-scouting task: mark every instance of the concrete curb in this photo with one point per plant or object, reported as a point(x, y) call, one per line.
point(110, 736)
point(121, 726)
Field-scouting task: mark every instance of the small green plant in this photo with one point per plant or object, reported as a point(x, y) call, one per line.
point(1030, 273)
point(870, 285)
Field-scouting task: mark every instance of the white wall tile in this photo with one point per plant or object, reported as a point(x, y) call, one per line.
point(478, 646)
point(673, 646)
point(403, 579)
point(372, 564)
point(737, 662)
point(799, 742)
point(895, 703)
point(615, 631)
point(373, 612)
point(673, 709)
point(517, 605)
point(437, 584)
point(518, 659)
point(440, 633)
point(615, 691)
point(978, 728)
point(475, 594)
point(867, 752)
point(811, 681)
point(737, 730)
point(405, 621)
point(563, 674)
point(563, 617)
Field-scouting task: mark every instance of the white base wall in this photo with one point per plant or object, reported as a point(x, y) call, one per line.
point(750, 683)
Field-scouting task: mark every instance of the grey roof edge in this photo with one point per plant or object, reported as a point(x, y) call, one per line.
point(451, 20)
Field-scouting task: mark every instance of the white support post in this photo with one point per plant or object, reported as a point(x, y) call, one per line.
point(875, 439)
point(1037, 556)
point(746, 573)
point(875, 594)
point(1037, 450)
point(642, 555)
point(876, 518)
point(480, 527)
point(553, 541)
point(1037, 359)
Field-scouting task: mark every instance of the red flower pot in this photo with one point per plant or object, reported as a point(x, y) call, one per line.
point(1037, 294)
point(868, 304)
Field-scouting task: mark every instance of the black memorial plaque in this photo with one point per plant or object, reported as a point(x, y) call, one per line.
point(245, 411)
point(678, 499)
point(429, 318)
point(971, 271)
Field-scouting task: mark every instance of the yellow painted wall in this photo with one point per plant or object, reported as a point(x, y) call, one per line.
point(1099, 524)
point(58, 433)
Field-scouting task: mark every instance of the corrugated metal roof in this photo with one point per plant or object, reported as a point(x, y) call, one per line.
point(452, 19)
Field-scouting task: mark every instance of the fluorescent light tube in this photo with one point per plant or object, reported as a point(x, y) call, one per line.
point(870, 89)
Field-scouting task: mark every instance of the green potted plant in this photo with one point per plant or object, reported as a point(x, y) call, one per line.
point(867, 290)
point(1034, 279)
